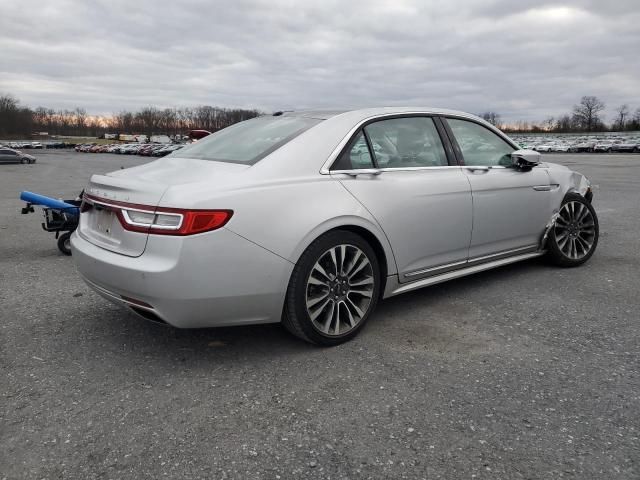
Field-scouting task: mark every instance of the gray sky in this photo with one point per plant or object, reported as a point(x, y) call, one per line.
point(524, 59)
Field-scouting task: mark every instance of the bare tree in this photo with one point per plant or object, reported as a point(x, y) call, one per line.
point(587, 113)
point(622, 112)
point(80, 117)
point(635, 120)
point(548, 124)
point(492, 117)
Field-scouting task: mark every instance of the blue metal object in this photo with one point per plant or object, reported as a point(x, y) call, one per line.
point(37, 199)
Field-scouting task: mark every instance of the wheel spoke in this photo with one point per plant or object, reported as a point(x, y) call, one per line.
point(313, 302)
point(364, 293)
point(564, 242)
point(359, 312)
point(579, 208)
point(584, 213)
point(359, 283)
point(318, 268)
point(315, 281)
point(356, 257)
point(362, 264)
point(329, 318)
point(586, 245)
point(319, 310)
point(343, 254)
point(352, 321)
point(334, 262)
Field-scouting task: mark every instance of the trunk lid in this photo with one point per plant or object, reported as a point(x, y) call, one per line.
point(143, 186)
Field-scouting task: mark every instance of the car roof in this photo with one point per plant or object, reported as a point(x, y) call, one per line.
point(364, 113)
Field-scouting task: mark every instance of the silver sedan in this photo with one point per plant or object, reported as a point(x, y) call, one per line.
point(310, 218)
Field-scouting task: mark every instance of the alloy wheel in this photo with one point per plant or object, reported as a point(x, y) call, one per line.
point(575, 230)
point(339, 290)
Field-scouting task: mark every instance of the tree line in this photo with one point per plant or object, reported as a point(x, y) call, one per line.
point(586, 116)
point(18, 120)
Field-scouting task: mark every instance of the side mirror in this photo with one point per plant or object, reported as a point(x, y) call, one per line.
point(525, 159)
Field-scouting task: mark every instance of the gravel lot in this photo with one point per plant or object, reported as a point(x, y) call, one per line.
point(528, 371)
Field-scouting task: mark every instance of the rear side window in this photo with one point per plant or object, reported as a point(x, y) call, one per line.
point(356, 156)
point(248, 142)
point(406, 142)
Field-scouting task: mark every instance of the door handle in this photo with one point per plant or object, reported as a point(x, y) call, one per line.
point(479, 169)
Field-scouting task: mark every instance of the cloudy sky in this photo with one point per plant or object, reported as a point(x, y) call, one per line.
point(525, 59)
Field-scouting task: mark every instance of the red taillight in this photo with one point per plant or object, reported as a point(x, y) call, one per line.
point(160, 220)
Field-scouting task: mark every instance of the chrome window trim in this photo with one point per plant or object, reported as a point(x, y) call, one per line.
point(362, 171)
point(325, 170)
point(326, 167)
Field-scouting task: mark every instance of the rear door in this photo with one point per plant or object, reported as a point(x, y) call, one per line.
point(510, 207)
point(400, 171)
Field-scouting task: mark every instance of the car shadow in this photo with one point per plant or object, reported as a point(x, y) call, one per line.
point(192, 347)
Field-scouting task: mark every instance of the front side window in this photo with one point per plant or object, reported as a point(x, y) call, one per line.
point(248, 142)
point(406, 142)
point(479, 145)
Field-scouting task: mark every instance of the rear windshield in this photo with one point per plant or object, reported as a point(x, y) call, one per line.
point(247, 142)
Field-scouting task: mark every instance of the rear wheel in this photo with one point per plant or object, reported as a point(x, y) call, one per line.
point(333, 289)
point(574, 237)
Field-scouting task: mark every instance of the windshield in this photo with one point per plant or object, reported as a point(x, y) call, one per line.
point(247, 142)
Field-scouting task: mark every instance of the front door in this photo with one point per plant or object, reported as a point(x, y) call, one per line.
point(510, 207)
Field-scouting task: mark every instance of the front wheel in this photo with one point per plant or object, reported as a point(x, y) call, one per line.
point(574, 237)
point(333, 290)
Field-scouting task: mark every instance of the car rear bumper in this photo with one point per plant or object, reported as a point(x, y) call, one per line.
point(206, 280)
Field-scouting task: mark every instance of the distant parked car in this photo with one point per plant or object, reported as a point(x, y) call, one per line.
point(84, 147)
point(8, 155)
point(167, 150)
point(582, 147)
point(561, 148)
point(627, 147)
point(544, 148)
point(37, 145)
point(603, 146)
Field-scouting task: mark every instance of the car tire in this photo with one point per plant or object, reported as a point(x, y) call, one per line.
point(333, 289)
point(574, 236)
point(64, 243)
point(24, 161)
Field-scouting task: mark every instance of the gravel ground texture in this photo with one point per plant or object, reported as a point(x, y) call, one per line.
point(528, 371)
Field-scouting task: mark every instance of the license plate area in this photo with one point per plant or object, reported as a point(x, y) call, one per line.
point(102, 221)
